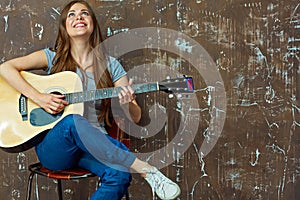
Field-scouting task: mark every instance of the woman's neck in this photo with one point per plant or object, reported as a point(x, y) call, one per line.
point(81, 52)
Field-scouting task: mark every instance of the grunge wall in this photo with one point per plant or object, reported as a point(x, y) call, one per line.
point(255, 47)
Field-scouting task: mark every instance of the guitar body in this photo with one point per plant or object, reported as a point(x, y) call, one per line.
point(22, 122)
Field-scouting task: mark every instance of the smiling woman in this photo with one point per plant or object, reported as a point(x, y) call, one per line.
point(81, 140)
point(79, 22)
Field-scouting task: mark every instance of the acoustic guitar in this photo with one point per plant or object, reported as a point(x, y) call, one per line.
point(23, 123)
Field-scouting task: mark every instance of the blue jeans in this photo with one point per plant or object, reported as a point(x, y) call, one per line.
point(75, 142)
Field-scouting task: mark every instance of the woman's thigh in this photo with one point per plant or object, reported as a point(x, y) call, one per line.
point(58, 149)
point(68, 139)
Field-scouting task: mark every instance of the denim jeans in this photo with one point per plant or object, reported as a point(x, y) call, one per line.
point(75, 142)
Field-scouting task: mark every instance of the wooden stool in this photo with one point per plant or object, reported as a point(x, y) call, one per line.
point(59, 175)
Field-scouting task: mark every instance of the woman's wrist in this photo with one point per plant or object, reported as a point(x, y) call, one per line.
point(132, 110)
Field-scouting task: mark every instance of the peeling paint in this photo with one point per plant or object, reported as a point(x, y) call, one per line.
point(256, 47)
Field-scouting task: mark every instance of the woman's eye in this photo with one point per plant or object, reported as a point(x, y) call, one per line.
point(71, 14)
point(86, 13)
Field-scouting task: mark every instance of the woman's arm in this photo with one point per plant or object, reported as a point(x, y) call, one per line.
point(10, 71)
point(127, 99)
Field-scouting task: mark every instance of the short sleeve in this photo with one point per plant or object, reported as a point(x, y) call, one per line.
point(50, 55)
point(116, 69)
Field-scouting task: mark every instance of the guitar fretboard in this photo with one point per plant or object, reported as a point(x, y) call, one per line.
point(106, 93)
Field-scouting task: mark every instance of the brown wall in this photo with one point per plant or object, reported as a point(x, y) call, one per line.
point(255, 46)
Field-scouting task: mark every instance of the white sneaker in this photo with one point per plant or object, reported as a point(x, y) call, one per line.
point(161, 185)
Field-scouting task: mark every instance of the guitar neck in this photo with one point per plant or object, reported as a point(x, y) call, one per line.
point(107, 93)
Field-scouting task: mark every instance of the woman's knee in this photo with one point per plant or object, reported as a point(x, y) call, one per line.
point(71, 118)
point(67, 121)
point(70, 121)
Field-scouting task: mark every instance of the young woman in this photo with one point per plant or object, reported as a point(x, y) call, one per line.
point(81, 141)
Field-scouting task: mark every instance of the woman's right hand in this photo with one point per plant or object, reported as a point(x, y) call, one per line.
point(51, 103)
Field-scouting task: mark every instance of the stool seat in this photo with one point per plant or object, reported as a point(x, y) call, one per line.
point(69, 174)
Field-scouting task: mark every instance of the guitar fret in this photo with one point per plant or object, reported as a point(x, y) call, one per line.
point(99, 94)
point(75, 98)
point(105, 93)
point(115, 92)
point(78, 97)
point(141, 88)
point(81, 96)
point(92, 95)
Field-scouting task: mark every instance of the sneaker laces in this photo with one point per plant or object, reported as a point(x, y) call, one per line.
point(161, 185)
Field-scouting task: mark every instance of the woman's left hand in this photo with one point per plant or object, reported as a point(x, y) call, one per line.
point(126, 95)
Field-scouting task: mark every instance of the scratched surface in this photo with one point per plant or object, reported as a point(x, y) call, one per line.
point(255, 46)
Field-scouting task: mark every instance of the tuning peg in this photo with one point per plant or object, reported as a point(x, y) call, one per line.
point(171, 96)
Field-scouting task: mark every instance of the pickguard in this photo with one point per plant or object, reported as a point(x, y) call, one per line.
point(39, 117)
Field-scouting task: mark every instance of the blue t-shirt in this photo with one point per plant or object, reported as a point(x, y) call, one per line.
point(116, 71)
point(114, 67)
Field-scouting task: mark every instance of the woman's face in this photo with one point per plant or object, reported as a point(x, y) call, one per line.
point(79, 22)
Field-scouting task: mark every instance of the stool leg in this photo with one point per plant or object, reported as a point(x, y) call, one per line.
point(127, 195)
point(59, 189)
point(29, 184)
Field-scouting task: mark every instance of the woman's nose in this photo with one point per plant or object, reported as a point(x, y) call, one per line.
point(79, 16)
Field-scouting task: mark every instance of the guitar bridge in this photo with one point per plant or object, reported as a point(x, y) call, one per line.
point(23, 107)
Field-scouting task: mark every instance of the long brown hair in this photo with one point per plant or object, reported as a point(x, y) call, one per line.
point(64, 61)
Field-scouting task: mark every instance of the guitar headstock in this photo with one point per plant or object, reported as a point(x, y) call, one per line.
point(177, 85)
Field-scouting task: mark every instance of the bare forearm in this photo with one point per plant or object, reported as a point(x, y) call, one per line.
point(133, 111)
point(10, 71)
point(13, 77)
